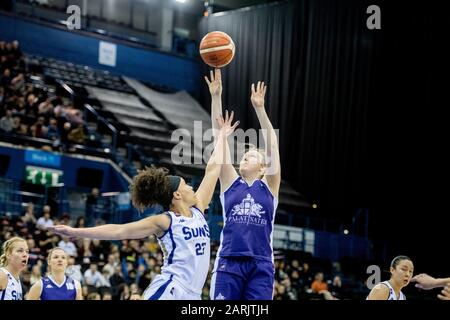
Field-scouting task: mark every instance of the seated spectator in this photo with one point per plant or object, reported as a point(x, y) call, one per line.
point(45, 221)
point(107, 295)
point(116, 280)
point(93, 277)
point(306, 276)
point(39, 129)
point(53, 131)
point(31, 105)
point(36, 274)
point(319, 284)
point(77, 135)
point(35, 255)
point(7, 122)
point(336, 287)
point(5, 80)
point(46, 108)
point(94, 296)
point(17, 82)
point(2, 96)
point(74, 116)
point(74, 270)
point(68, 247)
point(79, 223)
point(110, 266)
point(17, 52)
point(28, 217)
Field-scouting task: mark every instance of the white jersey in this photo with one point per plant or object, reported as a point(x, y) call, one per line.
point(186, 248)
point(13, 290)
point(392, 295)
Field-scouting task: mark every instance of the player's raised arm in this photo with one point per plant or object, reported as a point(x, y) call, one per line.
point(206, 189)
point(273, 171)
point(227, 174)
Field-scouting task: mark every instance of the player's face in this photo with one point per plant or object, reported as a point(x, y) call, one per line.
point(187, 193)
point(18, 258)
point(251, 163)
point(58, 260)
point(403, 272)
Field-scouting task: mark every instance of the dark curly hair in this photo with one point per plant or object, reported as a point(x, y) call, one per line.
point(151, 186)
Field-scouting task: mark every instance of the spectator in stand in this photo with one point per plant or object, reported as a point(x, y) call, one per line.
point(93, 277)
point(306, 276)
point(53, 131)
point(7, 122)
point(94, 296)
point(68, 246)
point(45, 221)
point(92, 201)
point(74, 270)
point(319, 284)
point(35, 255)
point(336, 288)
point(28, 216)
point(77, 135)
point(36, 274)
point(107, 295)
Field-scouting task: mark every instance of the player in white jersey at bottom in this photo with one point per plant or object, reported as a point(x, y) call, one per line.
point(182, 231)
point(13, 261)
point(402, 270)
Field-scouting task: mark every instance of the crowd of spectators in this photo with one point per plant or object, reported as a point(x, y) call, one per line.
point(34, 111)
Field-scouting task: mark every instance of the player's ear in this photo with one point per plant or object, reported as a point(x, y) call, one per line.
point(177, 195)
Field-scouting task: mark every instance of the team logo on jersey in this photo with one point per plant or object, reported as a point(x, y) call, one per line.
point(220, 297)
point(248, 211)
point(49, 286)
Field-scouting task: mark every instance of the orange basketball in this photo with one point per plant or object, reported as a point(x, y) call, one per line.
point(217, 49)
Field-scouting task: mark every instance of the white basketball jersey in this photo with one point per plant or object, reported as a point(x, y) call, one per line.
point(186, 248)
point(13, 290)
point(392, 295)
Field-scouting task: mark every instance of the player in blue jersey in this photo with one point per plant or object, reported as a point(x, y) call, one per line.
point(56, 285)
point(13, 261)
point(182, 231)
point(244, 268)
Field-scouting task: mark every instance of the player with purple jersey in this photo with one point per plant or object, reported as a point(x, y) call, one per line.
point(244, 268)
point(56, 286)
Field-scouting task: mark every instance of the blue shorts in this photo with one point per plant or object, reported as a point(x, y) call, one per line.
point(242, 278)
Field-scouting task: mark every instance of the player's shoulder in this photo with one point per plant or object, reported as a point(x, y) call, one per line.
point(379, 291)
point(3, 279)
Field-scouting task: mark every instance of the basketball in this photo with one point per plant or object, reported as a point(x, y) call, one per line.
point(217, 49)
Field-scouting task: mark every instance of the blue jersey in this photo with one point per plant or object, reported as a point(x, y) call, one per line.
point(249, 214)
point(52, 291)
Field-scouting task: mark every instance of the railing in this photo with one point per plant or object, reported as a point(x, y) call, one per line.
point(89, 109)
point(13, 201)
point(114, 132)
